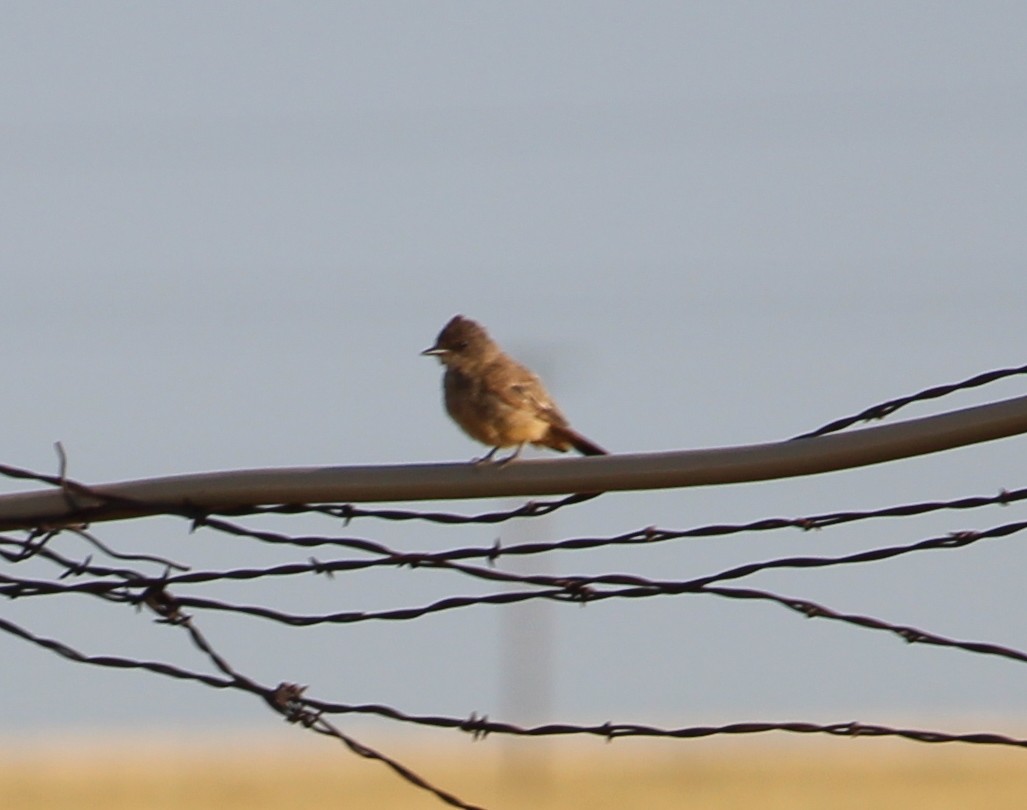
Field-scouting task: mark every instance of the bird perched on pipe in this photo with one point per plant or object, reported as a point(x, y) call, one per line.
point(495, 399)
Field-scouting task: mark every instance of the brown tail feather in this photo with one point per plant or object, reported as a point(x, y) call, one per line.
point(566, 437)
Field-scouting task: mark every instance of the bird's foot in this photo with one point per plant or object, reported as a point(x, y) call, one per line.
point(504, 461)
point(487, 459)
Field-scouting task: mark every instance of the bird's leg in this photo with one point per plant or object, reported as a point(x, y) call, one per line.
point(485, 459)
point(504, 461)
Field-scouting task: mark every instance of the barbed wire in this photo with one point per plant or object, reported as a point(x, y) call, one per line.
point(883, 409)
point(348, 512)
point(641, 588)
point(574, 588)
point(649, 535)
point(565, 588)
point(168, 588)
point(289, 700)
point(645, 536)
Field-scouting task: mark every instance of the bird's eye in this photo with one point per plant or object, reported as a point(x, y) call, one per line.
point(461, 345)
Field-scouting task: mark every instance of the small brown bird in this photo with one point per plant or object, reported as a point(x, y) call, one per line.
point(495, 399)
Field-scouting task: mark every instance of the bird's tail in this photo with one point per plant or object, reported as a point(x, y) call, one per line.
point(574, 439)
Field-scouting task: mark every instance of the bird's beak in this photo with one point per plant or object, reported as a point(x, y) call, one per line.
point(434, 351)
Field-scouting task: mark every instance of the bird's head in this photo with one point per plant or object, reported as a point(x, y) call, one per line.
point(462, 342)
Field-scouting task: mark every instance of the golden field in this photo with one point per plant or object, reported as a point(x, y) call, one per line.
point(245, 773)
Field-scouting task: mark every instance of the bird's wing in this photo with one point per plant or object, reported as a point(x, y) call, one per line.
point(520, 388)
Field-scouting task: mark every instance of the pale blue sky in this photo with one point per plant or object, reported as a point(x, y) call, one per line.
point(229, 228)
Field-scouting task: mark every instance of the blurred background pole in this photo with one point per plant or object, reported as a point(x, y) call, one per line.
point(527, 642)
